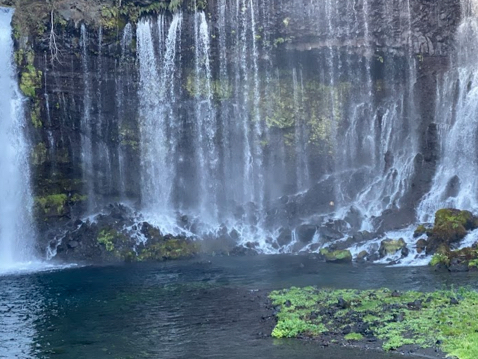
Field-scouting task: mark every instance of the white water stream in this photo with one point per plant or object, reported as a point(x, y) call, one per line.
point(17, 235)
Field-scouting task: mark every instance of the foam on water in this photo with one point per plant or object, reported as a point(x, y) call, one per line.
point(34, 267)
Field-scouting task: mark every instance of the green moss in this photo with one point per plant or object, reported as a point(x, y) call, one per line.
point(454, 217)
point(106, 237)
point(473, 263)
point(316, 106)
point(194, 86)
point(109, 17)
point(35, 115)
point(440, 258)
point(391, 246)
point(446, 317)
point(174, 5)
point(353, 336)
point(296, 305)
point(451, 225)
point(30, 18)
point(444, 256)
point(52, 204)
point(169, 249)
point(30, 81)
point(39, 154)
point(78, 198)
point(336, 256)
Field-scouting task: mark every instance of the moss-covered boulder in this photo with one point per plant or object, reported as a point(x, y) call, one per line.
point(451, 226)
point(391, 246)
point(339, 256)
point(455, 261)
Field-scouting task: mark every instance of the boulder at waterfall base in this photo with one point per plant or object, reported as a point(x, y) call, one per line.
point(450, 227)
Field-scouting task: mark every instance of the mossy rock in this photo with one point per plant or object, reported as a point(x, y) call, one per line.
point(339, 256)
point(174, 248)
point(116, 245)
point(455, 217)
point(451, 226)
point(459, 260)
point(420, 231)
point(54, 205)
point(391, 246)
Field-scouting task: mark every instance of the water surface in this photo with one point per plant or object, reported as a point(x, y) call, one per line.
point(190, 309)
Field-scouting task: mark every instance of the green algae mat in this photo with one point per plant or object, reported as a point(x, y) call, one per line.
point(445, 319)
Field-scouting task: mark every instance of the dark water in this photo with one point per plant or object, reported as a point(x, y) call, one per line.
point(191, 309)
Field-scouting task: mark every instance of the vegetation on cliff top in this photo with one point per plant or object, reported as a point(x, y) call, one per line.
point(446, 319)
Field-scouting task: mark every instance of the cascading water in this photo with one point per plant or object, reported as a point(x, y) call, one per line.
point(86, 124)
point(203, 157)
point(206, 151)
point(160, 130)
point(456, 184)
point(122, 95)
point(380, 141)
point(222, 141)
point(17, 236)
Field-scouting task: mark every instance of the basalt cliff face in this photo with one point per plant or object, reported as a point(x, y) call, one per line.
point(277, 125)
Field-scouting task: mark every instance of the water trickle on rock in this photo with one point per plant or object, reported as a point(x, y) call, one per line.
point(87, 124)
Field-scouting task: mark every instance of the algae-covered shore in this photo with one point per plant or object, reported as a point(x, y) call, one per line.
point(440, 323)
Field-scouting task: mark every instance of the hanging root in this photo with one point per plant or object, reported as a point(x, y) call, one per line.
point(54, 51)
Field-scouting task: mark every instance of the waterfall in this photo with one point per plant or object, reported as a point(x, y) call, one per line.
point(379, 143)
point(121, 83)
point(17, 236)
point(86, 124)
point(302, 171)
point(236, 136)
point(455, 184)
point(207, 156)
point(159, 127)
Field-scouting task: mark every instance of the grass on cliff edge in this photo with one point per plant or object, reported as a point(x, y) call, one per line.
point(447, 319)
